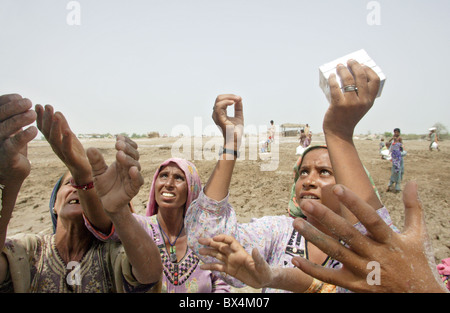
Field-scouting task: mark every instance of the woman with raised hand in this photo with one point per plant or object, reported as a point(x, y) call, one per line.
point(273, 237)
point(175, 185)
point(71, 259)
point(385, 261)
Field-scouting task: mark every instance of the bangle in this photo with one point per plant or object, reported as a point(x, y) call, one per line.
point(315, 286)
point(318, 286)
point(229, 151)
point(87, 186)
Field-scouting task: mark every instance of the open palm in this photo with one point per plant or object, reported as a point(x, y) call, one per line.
point(118, 183)
point(252, 270)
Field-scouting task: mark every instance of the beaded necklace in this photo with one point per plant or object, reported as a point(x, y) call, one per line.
point(173, 249)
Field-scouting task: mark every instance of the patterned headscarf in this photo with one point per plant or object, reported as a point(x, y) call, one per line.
point(192, 179)
point(293, 207)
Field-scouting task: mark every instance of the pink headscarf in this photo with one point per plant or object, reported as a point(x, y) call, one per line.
point(192, 179)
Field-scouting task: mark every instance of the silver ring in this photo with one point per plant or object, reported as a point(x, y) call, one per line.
point(350, 88)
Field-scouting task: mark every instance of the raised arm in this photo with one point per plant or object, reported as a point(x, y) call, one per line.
point(68, 148)
point(345, 111)
point(232, 129)
point(15, 114)
point(385, 261)
point(116, 185)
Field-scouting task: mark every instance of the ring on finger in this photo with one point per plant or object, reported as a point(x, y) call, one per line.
point(349, 88)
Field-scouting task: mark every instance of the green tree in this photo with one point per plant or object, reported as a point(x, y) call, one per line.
point(440, 128)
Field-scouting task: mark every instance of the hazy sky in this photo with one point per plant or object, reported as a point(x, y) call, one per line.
point(143, 65)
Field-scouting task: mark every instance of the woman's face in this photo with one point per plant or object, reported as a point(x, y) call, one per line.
point(171, 188)
point(67, 204)
point(316, 179)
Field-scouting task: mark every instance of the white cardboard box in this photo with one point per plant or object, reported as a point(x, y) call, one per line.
point(361, 56)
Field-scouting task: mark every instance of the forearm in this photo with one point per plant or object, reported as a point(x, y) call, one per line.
point(93, 210)
point(219, 182)
point(142, 252)
point(348, 168)
point(10, 191)
point(291, 279)
point(91, 203)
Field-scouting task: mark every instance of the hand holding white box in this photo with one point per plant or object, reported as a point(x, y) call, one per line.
point(360, 56)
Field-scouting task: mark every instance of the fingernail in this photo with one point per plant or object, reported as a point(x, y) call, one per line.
point(307, 206)
point(295, 262)
point(338, 190)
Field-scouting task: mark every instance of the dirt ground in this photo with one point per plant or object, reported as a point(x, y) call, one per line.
point(255, 193)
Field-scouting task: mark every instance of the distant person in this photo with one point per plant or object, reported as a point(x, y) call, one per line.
point(302, 138)
point(434, 144)
point(396, 135)
point(307, 142)
point(397, 169)
point(384, 150)
point(271, 134)
point(381, 145)
point(307, 130)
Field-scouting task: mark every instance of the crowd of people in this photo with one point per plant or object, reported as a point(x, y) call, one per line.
point(189, 239)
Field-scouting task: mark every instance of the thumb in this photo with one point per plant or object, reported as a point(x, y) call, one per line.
point(136, 179)
point(238, 108)
point(97, 161)
point(258, 259)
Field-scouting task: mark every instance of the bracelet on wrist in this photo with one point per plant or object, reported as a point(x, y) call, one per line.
point(229, 151)
point(87, 186)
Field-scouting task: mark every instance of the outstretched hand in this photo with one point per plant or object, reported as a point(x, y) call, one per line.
point(64, 143)
point(15, 114)
point(383, 261)
point(118, 183)
point(252, 270)
point(347, 108)
point(231, 127)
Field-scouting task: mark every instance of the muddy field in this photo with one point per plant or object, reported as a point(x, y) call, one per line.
point(255, 193)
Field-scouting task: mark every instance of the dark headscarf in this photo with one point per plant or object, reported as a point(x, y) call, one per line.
point(53, 200)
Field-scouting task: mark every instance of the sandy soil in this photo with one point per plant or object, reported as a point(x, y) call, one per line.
point(255, 193)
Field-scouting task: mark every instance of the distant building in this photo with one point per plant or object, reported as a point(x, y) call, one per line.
point(289, 129)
